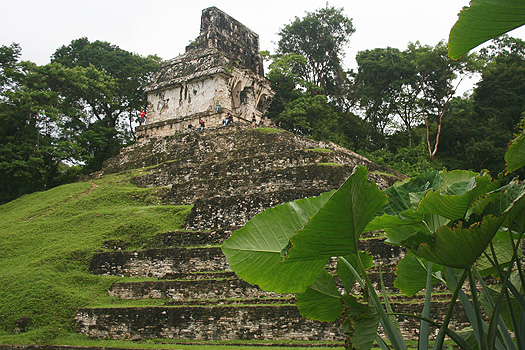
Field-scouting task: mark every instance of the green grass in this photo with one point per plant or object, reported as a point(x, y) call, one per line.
point(322, 150)
point(46, 240)
point(80, 340)
point(269, 130)
point(329, 164)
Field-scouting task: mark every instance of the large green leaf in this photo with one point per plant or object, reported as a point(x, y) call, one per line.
point(401, 194)
point(456, 247)
point(322, 300)
point(336, 228)
point(460, 195)
point(405, 196)
point(515, 156)
point(449, 196)
point(456, 182)
point(484, 20)
point(254, 251)
point(411, 274)
point(504, 251)
point(361, 323)
point(508, 199)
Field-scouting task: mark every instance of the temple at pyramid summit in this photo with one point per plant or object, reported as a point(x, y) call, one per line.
point(220, 73)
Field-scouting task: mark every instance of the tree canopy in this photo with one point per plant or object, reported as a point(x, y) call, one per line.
point(78, 109)
point(102, 90)
point(319, 37)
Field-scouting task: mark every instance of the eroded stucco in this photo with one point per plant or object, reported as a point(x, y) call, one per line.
point(222, 68)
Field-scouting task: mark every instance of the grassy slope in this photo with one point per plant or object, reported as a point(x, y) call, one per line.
point(46, 240)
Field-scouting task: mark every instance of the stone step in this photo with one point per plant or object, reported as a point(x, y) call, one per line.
point(208, 302)
point(158, 262)
point(230, 144)
point(321, 177)
point(199, 275)
point(215, 286)
point(204, 323)
point(246, 322)
point(240, 200)
point(171, 344)
point(162, 261)
point(204, 146)
point(235, 211)
point(189, 238)
point(190, 290)
point(181, 172)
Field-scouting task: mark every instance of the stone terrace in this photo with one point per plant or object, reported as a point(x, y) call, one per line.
point(228, 174)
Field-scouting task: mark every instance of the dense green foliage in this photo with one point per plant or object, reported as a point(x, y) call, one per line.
point(77, 109)
point(319, 38)
point(29, 160)
point(46, 239)
point(400, 107)
point(101, 88)
point(454, 225)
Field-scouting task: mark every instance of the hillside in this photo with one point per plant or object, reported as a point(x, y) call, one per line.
point(183, 193)
point(46, 240)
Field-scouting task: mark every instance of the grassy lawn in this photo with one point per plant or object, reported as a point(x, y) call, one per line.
point(46, 240)
point(79, 340)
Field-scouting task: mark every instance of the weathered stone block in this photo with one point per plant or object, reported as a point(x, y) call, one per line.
point(205, 323)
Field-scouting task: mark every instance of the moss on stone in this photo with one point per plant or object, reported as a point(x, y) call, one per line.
point(329, 164)
point(324, 150)
point(269, 130)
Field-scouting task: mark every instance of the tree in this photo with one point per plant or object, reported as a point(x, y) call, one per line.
point(320, 37)
point(477, 130)
point(312, 116)
point(500, 94)
point(438, 77)
point(386, 88)
point(28, 158)
point(307, 76)
point(102, 90)
point(472, 141)
point(284, 76)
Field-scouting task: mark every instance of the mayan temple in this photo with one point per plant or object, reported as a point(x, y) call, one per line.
point(179, 282)
point(221, 72)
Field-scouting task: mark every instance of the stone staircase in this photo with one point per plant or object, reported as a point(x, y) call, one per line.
point(228, 174)
point(231, 173)
point(204, 300)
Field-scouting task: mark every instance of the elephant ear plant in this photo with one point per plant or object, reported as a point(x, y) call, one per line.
point(446, 220)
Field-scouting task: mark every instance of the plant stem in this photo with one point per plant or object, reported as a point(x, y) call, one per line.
point(480, 335)
point(423, 330)
point(441, 335)
point(496, 319)
point(390, 330)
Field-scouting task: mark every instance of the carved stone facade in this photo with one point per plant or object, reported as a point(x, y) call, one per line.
point(220, 73)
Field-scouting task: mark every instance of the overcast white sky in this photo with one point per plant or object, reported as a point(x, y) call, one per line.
point(165, 27)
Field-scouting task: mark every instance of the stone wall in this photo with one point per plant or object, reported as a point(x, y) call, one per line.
point(188, 98)
point(277, 322)
point(224, 33)
point(190, 289)
point(158, 262)
point(205, 323)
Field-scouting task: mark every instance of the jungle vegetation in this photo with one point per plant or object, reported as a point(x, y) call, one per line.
point(399, 107)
